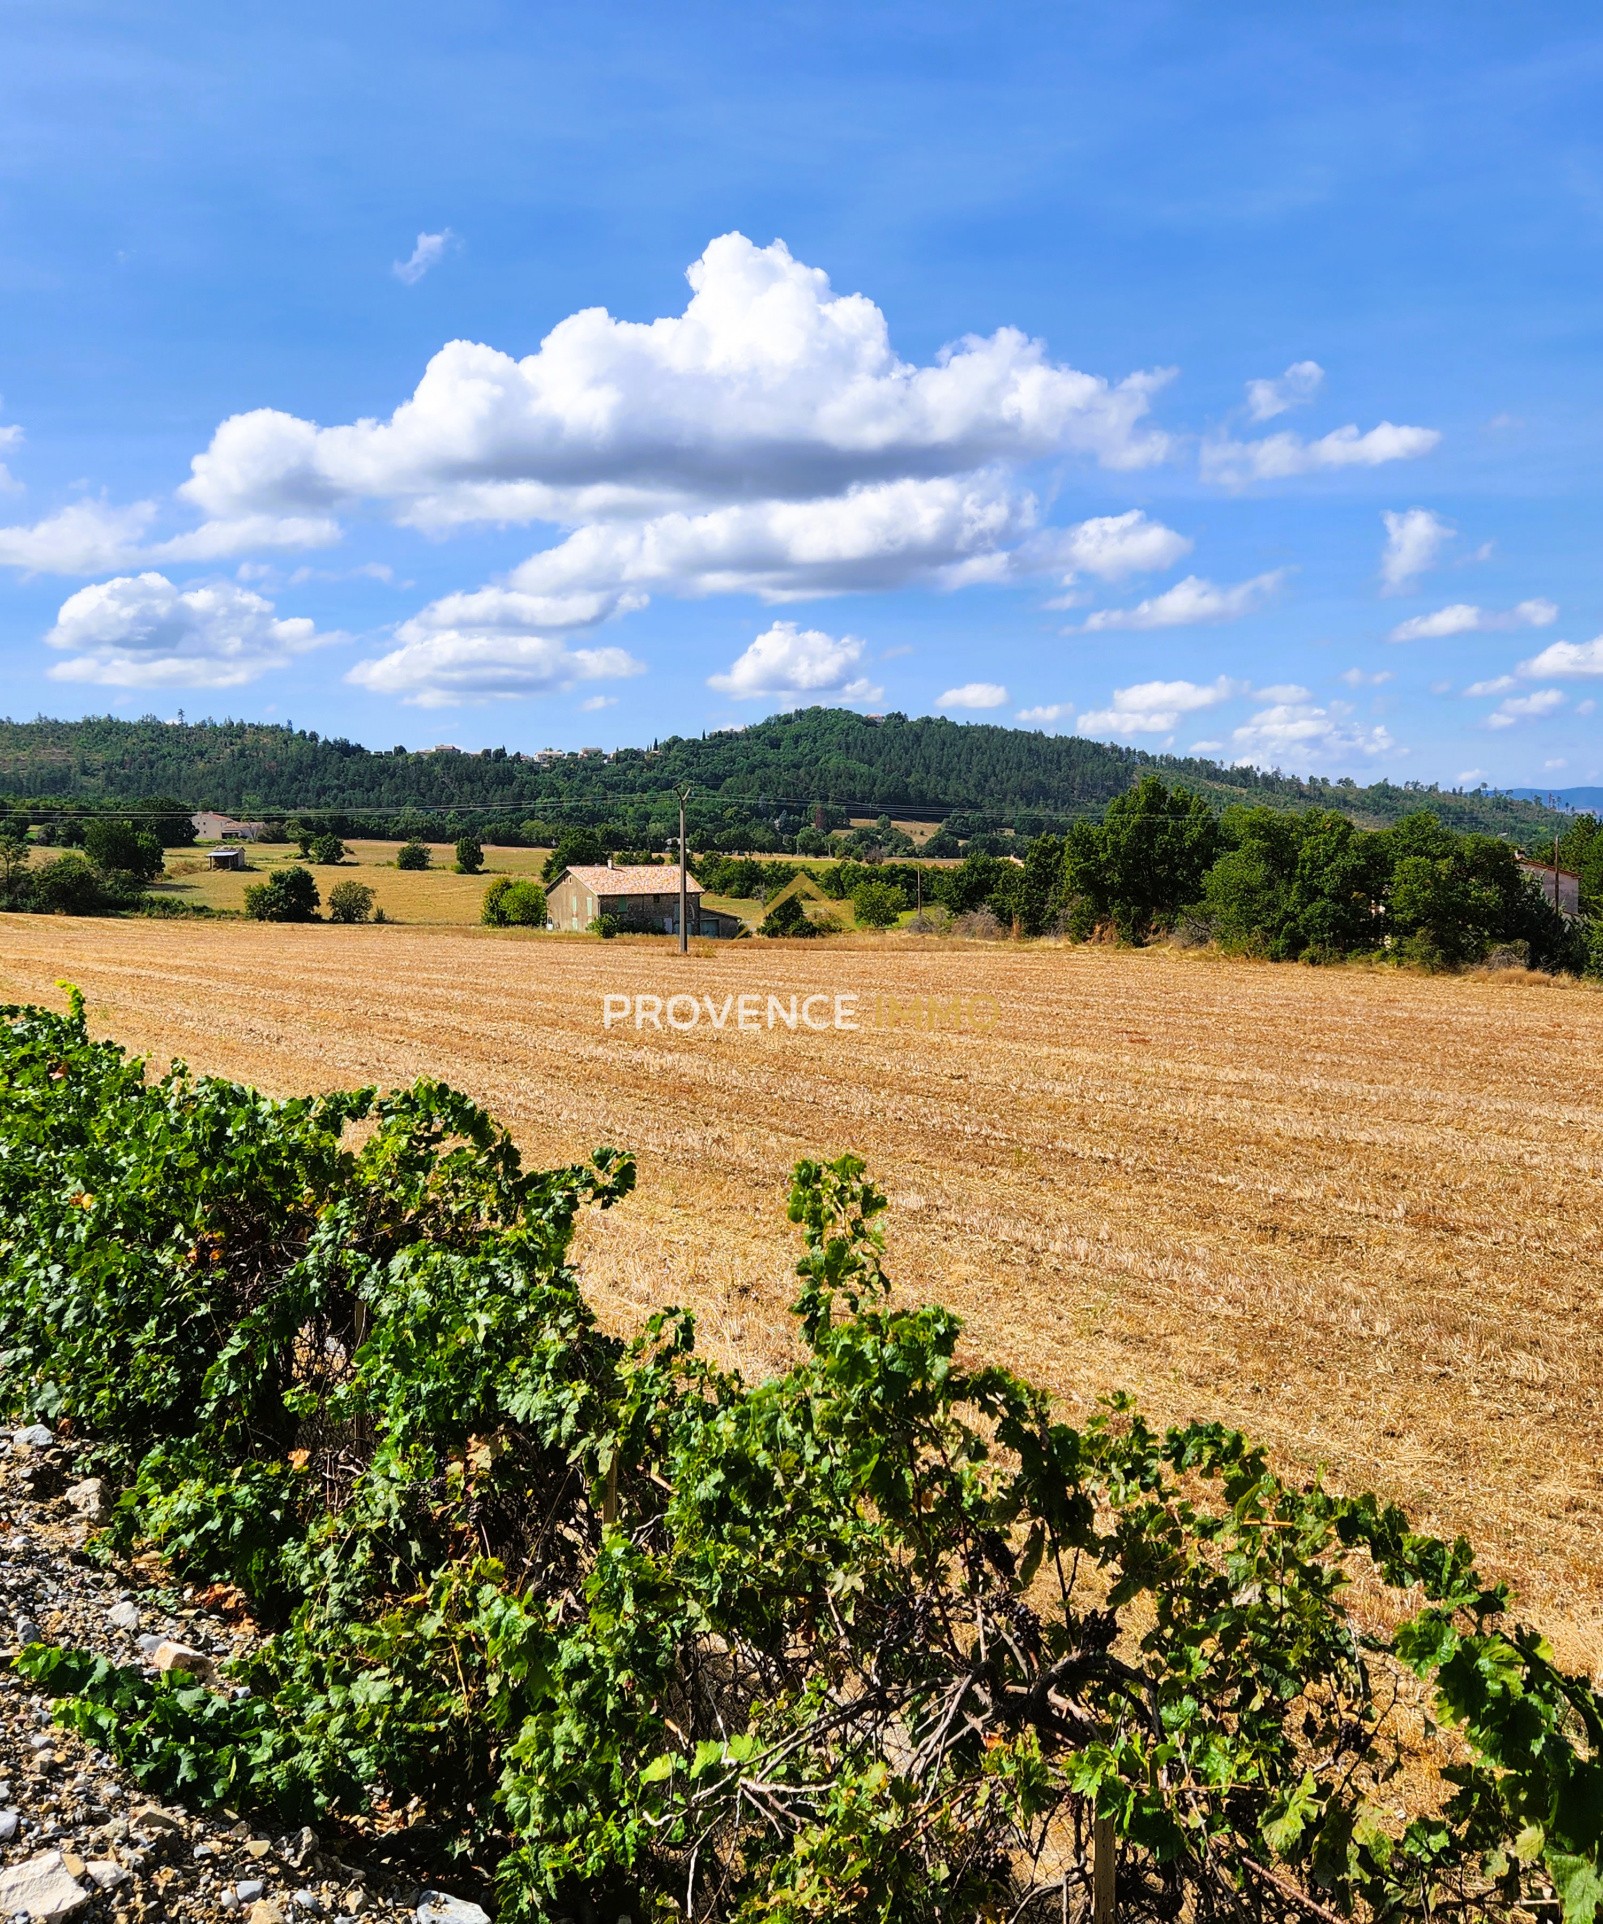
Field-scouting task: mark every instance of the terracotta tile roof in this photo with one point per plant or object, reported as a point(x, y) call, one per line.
point(646, 879)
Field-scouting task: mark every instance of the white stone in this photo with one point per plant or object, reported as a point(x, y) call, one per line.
point(42, 1889)
point(34, 1437)
point(9, 1820)
point(88, 1498)
point(124, 1615)
point(172, 1655)
point(104, 1874)
point(439, 1907)
point(248, 1889)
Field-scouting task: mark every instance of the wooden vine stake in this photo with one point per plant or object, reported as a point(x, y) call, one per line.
point(1104, 1871)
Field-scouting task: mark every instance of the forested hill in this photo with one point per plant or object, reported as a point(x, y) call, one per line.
point(819, 755)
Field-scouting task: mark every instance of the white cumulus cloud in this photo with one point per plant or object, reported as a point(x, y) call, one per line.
point(949, 532)
point(141, 631)
point(1155, 707)
point(89, 536)
point(248, 534)
point(1415, 538)
point(447, 669)
point(1303, 732)
point(882, 535)
point(488, 646)
point(1047, 715)
point(516, 611)
point(430, 249)
point(767, 385)
point(1110, 546)
point(974, 694)
point(1295, 388)
point(1562, 658)
point(1188, 603)
point(788, 663)
point(83, 538)
point(1279, 456)
point(1464, 618)
point(1533, 707)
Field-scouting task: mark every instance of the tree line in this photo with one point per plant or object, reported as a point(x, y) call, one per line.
point(754, 789)
point(1308, 887)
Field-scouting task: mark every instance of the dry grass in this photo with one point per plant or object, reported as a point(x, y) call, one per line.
point(435, 896)
point(1356, 1212)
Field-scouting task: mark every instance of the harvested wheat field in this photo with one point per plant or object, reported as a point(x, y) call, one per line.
point(1358, 1213)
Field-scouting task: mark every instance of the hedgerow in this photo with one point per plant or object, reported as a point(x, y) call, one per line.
point(877, 1637)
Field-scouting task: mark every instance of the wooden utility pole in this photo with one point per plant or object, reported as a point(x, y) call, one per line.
point(684, 865)
point(1555, 869)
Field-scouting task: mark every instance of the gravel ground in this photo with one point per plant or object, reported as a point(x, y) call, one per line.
point(78, 1837)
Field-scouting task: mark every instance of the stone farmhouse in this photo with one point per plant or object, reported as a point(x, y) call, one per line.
point(645, 897)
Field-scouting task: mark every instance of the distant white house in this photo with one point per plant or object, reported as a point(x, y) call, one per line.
point(1558, 886)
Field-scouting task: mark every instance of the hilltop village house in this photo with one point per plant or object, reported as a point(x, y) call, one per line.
point(212, 827)
point(645, 897)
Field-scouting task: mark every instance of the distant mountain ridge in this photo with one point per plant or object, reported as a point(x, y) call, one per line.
point(1584, 801)
point(863, 764)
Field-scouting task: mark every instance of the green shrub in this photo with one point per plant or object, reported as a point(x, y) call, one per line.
point(288, 895)
point(119, 848)
point(876, 905)
point(469, 855)
point(514, 902)
point(788, 918)
point(72, 886)
point(350, 902)
point(328, 851)
point(172, 908)
point(606, 926)
point(413, 855)
point(874, 1638)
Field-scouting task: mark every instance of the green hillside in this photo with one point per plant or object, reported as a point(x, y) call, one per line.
point(788, 764)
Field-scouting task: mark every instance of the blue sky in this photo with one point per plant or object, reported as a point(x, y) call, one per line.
point(1218, 374)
